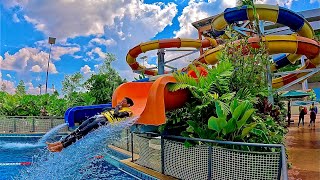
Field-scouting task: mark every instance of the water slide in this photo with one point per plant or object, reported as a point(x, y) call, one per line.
point(152, 99)
point(294, 45)
point(164, 43)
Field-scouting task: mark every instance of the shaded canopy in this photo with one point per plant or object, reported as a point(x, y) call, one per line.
point(295, 94)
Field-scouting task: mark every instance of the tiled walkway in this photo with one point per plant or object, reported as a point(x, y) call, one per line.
point(303, 145)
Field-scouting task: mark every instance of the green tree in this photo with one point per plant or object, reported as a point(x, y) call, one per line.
point(72, 83)
point(21, 88)
point(101, 85)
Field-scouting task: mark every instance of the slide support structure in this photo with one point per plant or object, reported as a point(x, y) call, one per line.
point(160, 61)
point(305, 82)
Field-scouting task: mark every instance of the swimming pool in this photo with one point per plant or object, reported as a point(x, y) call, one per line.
point(19, 149)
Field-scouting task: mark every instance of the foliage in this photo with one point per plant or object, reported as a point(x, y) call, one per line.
point(290, 67)
point(250, 70)
point(77, 92)
point(312, 96)
point(141, 76)
point(21, 88)
point(72, 83)
point(101, 85)
point(30, 105)
point(231, 102)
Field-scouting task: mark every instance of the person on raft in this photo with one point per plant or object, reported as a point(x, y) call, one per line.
point(119, 113)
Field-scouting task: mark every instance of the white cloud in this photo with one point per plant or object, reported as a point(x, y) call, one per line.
point(102, 41)
point(123, 23)
point(9, 76)
point(313, 1)
point(97, 51)
point(39, 26)
point(58, 51)
point(77, 57)
point(86, 69)
point(7, 85)
point(36, 68)
point(25, 60)
point(67, 19)
point(15, 18)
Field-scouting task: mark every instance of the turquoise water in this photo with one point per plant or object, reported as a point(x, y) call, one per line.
point(75, 162)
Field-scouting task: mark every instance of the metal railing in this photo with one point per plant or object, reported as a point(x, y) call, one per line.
point(29, 124)
point(282, 172)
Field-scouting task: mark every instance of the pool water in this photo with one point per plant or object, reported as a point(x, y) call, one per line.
point(24, 149)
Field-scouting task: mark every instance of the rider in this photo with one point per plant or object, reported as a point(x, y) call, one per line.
point(119, 113)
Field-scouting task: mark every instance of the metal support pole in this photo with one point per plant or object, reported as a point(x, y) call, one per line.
point(48, 69)
point(160, 61)
point(305, 82)
point(200, 37)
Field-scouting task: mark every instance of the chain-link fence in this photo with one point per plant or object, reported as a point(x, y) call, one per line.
point(214, 162)
point(168, 155)
point(29, 124)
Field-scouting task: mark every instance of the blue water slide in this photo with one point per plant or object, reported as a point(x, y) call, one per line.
point(80, 113)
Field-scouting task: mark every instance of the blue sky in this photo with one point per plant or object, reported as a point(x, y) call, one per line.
point(86, 30)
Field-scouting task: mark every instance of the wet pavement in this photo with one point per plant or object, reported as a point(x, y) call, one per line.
point(303, 146)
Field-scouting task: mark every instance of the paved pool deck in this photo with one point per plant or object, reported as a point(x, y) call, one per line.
point(303, 146)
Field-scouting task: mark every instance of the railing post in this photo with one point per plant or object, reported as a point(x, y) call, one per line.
point(127, 133)
point(280, 167)
point(33, 125)
point(51, 119)
point(284, 163)
point(209, 162)
point(132, 147)
point(15, 125)
point(162, 154)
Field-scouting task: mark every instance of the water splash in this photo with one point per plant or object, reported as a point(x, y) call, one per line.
point(11, 145)
point(51, 133)
point(40, 143)
point(77, 161)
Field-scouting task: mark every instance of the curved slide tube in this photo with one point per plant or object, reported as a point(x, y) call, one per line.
point(277, 44)
point(151, 99)
point(165, 43)
point(270, 13)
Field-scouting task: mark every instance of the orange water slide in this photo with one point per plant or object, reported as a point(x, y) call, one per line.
point(151, 99)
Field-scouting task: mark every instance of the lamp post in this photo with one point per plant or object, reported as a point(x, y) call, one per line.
point(51, 41)
point(143, 58)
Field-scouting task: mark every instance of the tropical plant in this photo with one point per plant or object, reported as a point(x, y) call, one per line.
point(207, 89)
point(141, 76)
